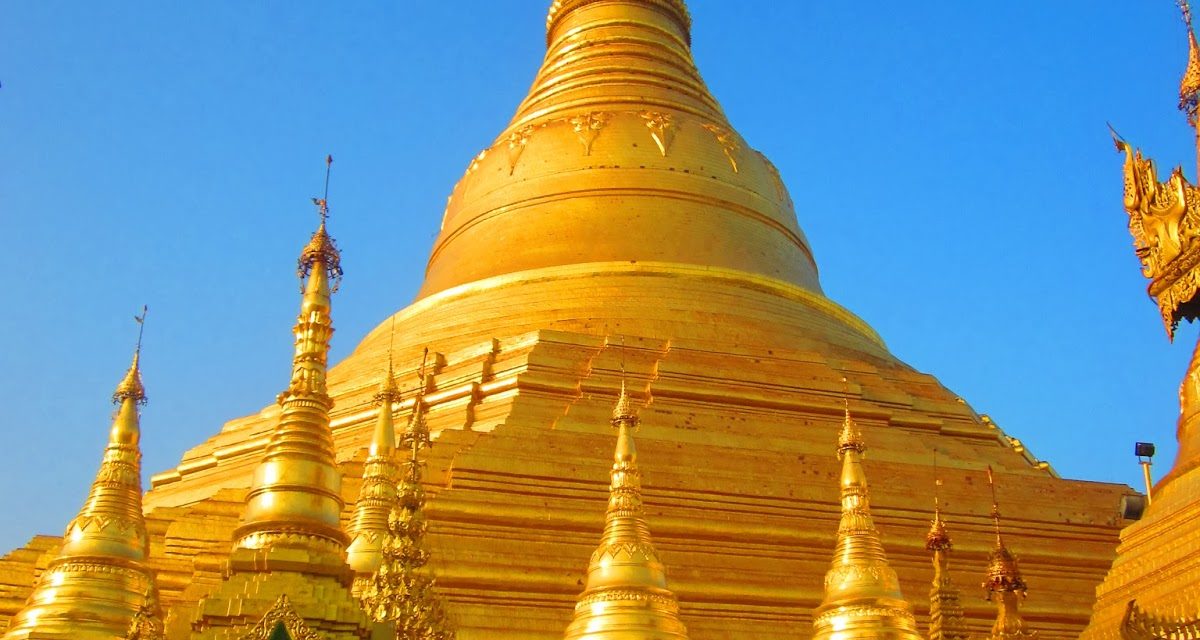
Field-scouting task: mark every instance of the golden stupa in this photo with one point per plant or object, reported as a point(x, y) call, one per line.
point(619, 229)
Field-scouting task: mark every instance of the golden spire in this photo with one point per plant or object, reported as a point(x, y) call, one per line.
point(1004, 582)
point(98, 583)
point(945, 610)
point(626, 597)
point(297, 486)
point(376, 497)
point(1189, 86)
point(862, 592)
point(401, 591)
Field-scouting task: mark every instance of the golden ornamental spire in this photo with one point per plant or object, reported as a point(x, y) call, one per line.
point(1004, 583)
point(862, 592)
point(377, 496)
point(1189, 85)
point(626, 597)
point(290, 540)
point(98, 583)
point(945, 610)
point(401, 591)
point(297, 486)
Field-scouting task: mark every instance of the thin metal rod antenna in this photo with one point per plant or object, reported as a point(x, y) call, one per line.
point(141, 320)
point(325, 198)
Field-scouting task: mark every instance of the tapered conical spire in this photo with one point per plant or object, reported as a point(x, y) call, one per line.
point(99, 581)
point(291, 541)
point(626, 597)
point(297, 486)
point(1004, 584)
point(945, 610)
point(862, 592)
point(369, 528)
point(401, 591)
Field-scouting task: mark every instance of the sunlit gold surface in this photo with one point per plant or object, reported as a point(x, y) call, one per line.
point(1005, 585)
point(290, 542)
point(862, 592)
point(1154, 583)
point(621, 206)
point(98, 582)
point(626, 596)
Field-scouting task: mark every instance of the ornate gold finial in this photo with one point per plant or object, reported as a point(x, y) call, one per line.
point(1189, 86)
point(862, 592)
point(131, 385)
point(148, 623)
point(626, 594)
point(368, 529)
point(401, 590)
point(1004, 583)
point(321, 248)
point(945, 609)
point(98, 584)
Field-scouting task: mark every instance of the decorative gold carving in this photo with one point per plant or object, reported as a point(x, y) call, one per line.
point(728, 140)
point(281, 614)
point(662, 129)
point(1138, 624)
point(587, 127)
point(516, 146)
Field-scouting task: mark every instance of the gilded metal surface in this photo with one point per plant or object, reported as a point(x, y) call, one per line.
point(377, 496)
point(862, 593)
point(945, 609)
point(1140, 625)
point(282, 614)
point(626, 597)
point(99, 582)
point(402, 591)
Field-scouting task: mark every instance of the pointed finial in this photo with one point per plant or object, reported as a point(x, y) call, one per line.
point(995, 507)
point(388, 391)
point(131, 386)
point(1189, 86)
point(851, 437)
point(1003, 574)
point(321, 248)
point(623, 410)
point(937, 539)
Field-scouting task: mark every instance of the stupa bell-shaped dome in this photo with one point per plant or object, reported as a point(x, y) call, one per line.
point(619, 153)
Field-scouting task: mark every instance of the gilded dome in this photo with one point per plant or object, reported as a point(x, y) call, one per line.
point(619, 154)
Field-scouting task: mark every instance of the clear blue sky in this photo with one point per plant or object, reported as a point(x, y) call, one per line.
point(165, 153)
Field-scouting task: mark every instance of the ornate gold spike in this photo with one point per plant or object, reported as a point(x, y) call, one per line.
point(946, 620)
point(662, 129)
point(321, 248)
point(587, 127)
point(369, 527)
point(98, 584)
point(401, 590)
point(862, 592)
point(626, 596)
point(1189, 85)
point(131, 385)
point(1004, 583)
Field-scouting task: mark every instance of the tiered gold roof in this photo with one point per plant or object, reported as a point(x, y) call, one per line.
point(862, 592)
point(99, 582)
point(626, 597)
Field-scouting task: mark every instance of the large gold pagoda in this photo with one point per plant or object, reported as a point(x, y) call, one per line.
point(619, 206)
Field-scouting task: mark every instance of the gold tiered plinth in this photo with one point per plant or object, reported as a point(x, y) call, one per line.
point(620, 205)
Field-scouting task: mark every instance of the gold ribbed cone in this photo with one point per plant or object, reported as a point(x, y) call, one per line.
point(376, 497)
point(862, 593)
point(619, 153)
point(98, 583)
point(626, 597)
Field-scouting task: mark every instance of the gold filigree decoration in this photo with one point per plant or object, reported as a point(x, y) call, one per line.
point(1164, 220)
point(662, 129)
point(1137, 624)
point(517, 141)
point(728, 140)
point(282, 613)
point(587, 127)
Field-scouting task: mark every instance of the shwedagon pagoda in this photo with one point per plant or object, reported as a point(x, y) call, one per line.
point(622, 408)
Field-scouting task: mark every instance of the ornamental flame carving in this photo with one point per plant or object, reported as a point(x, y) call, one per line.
point(402, 591)
point(1164, 220)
